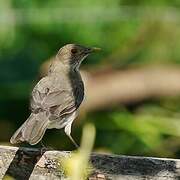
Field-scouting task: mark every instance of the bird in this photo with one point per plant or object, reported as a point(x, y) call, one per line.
point(56, 98)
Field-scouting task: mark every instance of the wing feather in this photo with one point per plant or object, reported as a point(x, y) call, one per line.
point(47, 95)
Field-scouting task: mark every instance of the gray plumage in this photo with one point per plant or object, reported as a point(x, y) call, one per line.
point(56, 97)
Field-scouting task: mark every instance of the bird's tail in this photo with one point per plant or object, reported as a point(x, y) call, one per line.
point(32, 130)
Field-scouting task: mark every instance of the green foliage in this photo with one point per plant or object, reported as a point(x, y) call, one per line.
point(139, 132)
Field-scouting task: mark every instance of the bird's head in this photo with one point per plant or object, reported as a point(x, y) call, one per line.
point(73, 54)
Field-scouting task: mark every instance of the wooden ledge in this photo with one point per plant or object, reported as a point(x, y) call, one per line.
point(30, 163)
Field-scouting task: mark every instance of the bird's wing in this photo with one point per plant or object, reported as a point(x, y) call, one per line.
point(47, 95)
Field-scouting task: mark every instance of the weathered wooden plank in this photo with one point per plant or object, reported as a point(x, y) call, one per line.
point(30, 163)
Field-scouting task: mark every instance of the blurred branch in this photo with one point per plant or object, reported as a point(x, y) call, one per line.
point(130, 86)
point(107, 88)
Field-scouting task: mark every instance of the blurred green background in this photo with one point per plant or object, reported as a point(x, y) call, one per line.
point(132, 33)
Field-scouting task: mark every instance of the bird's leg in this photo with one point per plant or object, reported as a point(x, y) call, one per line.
point(73, 141)
point(42, 144)
point(42, 148)
point(67, 130)
point(45, 148)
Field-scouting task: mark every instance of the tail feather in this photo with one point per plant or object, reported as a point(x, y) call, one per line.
point(32, 130)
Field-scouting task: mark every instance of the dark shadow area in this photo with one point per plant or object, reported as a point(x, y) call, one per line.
point(23, 163)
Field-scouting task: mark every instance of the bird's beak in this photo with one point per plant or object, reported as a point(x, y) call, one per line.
point(93, 49)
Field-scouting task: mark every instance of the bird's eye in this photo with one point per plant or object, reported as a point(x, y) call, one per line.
point(74, 51)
